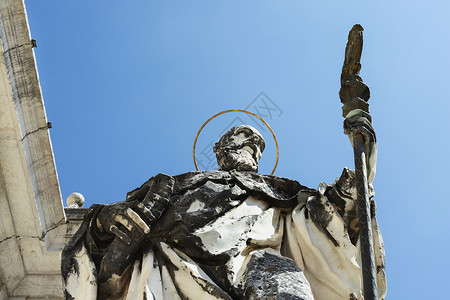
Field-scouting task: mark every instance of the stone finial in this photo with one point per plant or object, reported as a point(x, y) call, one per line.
point(75, 200)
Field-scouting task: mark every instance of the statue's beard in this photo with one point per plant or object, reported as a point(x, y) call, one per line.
point(237, 159)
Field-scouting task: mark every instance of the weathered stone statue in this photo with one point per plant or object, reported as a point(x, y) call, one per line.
point(228, 234)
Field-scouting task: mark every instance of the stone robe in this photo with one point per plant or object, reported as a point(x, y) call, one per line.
point(238, 235)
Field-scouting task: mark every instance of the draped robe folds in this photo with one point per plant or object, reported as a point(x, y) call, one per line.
point(238, 235)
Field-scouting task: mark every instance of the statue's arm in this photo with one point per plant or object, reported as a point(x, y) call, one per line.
point(120, 229)
point(343, 195)
point(143, 207)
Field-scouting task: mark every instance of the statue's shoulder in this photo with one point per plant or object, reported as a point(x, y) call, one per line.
point(200, 175)
point(277, 190)
point(190, 179)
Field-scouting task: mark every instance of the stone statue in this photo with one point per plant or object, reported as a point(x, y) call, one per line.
point(226, 234)
point(237, 234)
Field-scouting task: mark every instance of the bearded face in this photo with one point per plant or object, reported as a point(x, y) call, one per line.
point(240, 149)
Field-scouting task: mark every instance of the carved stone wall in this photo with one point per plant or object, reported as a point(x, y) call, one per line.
point(33, 225)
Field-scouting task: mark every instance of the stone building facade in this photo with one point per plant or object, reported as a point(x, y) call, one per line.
point(33, 224)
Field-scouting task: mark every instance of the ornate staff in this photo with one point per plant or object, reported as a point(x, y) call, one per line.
point(354, 95)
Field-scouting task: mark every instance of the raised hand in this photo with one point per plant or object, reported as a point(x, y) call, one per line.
point(131, 220)
point(124, 221)
point(359, 122)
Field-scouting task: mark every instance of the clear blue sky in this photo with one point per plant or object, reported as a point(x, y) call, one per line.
point(127, 84)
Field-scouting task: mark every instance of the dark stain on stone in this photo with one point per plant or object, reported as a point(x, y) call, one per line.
point(270, 276)
point(321, 217)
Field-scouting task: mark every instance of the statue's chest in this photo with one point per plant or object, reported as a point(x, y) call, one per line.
point(198, 207)
point(214, 220)
point(233, 229)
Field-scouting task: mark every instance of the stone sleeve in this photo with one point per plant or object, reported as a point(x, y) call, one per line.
point(343, 195)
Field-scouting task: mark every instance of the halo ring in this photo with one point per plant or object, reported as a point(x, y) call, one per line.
point(236, 110)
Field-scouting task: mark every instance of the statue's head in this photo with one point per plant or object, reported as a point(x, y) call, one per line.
point(240, 148)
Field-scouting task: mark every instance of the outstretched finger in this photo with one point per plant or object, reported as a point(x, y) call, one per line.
point(124, 221)
point(155, 201)
point(137, 220)
point(120, 234)
point(146, 212)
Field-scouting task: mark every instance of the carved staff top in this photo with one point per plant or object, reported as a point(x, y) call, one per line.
point(353, 52)
point(354, 93)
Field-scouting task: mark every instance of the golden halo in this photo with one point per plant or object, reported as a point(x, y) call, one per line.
point(238, 110)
